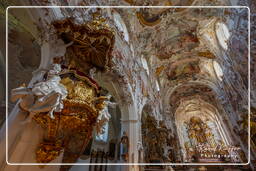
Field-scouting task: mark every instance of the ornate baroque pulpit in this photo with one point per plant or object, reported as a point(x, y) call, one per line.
point(69, 130)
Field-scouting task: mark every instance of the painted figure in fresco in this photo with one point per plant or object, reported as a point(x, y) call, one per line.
point(124, 146)
point(44, 96)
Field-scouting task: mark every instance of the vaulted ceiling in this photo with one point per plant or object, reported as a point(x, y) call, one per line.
point(189, 45)
point(190, 52)
point(180, 45)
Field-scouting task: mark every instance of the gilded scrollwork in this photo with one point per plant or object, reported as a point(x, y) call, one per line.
point(93, 43)
point(158, 141)
point(76, 119)
point(197, 131)
point(72, 128)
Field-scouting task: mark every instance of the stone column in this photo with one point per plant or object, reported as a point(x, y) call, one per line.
point(131, 126)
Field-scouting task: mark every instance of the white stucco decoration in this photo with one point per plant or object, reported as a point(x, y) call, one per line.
point(222, 34)
point(145, 64)
point(157, 86)
point(121, 26)
point(57, 13)
point(218, 70)
point(104, 117)
point(104, 135)
point(44, 96)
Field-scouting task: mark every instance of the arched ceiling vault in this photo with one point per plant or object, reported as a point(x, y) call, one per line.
point(184, 47)
point(170, 39)
point(192, 91)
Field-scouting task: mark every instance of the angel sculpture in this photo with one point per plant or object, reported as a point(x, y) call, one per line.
point(44, 96)
point(104, 116)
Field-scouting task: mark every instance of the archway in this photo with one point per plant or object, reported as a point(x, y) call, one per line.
point(199, 125)
point(105, 147)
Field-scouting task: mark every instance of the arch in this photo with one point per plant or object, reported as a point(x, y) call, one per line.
point(169, 92)
point(122, 94)
point(106, 143)
point(215, 132)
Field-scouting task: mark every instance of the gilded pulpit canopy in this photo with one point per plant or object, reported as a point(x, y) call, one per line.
point(93, 43)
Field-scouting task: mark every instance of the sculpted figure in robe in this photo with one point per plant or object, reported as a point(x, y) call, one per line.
point(104, 116)
point(42, 97)
point(45, 96)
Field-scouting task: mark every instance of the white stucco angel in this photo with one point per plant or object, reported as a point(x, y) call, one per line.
point(42, 97)
point(104, 116)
